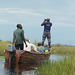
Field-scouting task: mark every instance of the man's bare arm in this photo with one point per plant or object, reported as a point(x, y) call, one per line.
point(13, 39)
point(24, 39)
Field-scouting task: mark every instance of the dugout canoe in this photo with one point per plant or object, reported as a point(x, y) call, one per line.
point(25, 56)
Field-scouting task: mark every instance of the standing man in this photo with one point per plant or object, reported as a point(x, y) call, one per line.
point(18, 37)
point(47, 27)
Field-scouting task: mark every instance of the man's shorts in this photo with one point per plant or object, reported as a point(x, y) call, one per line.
point(48, 35)
point(19, 46)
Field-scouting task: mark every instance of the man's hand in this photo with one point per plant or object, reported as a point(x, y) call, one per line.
point(26, 45)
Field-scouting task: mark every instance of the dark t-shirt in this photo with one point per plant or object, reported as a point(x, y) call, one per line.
point(47, 26)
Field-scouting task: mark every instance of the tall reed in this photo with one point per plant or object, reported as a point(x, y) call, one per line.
point(61, 67)
point(3, 46)
point(63, 50)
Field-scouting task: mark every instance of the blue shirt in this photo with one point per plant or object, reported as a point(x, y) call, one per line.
point(40, 49)
point(47, 26)
point(46, 48)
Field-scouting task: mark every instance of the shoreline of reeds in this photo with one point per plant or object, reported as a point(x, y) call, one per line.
point(60, 67)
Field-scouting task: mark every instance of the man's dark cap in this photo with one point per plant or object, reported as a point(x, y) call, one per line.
point(19, 26)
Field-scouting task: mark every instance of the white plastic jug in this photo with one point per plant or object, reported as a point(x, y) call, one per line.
point(11, 48)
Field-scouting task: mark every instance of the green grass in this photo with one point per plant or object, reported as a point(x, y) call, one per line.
point(62, 67)
point(63, 50)
point(2, 57)
point(3, 46)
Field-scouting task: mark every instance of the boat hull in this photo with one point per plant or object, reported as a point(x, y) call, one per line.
point(25, 56)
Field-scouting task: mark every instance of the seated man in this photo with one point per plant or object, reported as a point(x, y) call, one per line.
point(30, 46)
point(40, 48)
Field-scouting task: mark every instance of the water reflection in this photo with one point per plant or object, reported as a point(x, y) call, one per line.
point(20, 69)
point(54, 57)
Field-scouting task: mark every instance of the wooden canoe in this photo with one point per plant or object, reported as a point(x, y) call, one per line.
point(25, 56)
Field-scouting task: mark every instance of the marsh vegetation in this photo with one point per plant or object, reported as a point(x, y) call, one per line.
point(60, 67)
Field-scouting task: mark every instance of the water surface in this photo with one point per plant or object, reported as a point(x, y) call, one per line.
point(22, 68)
